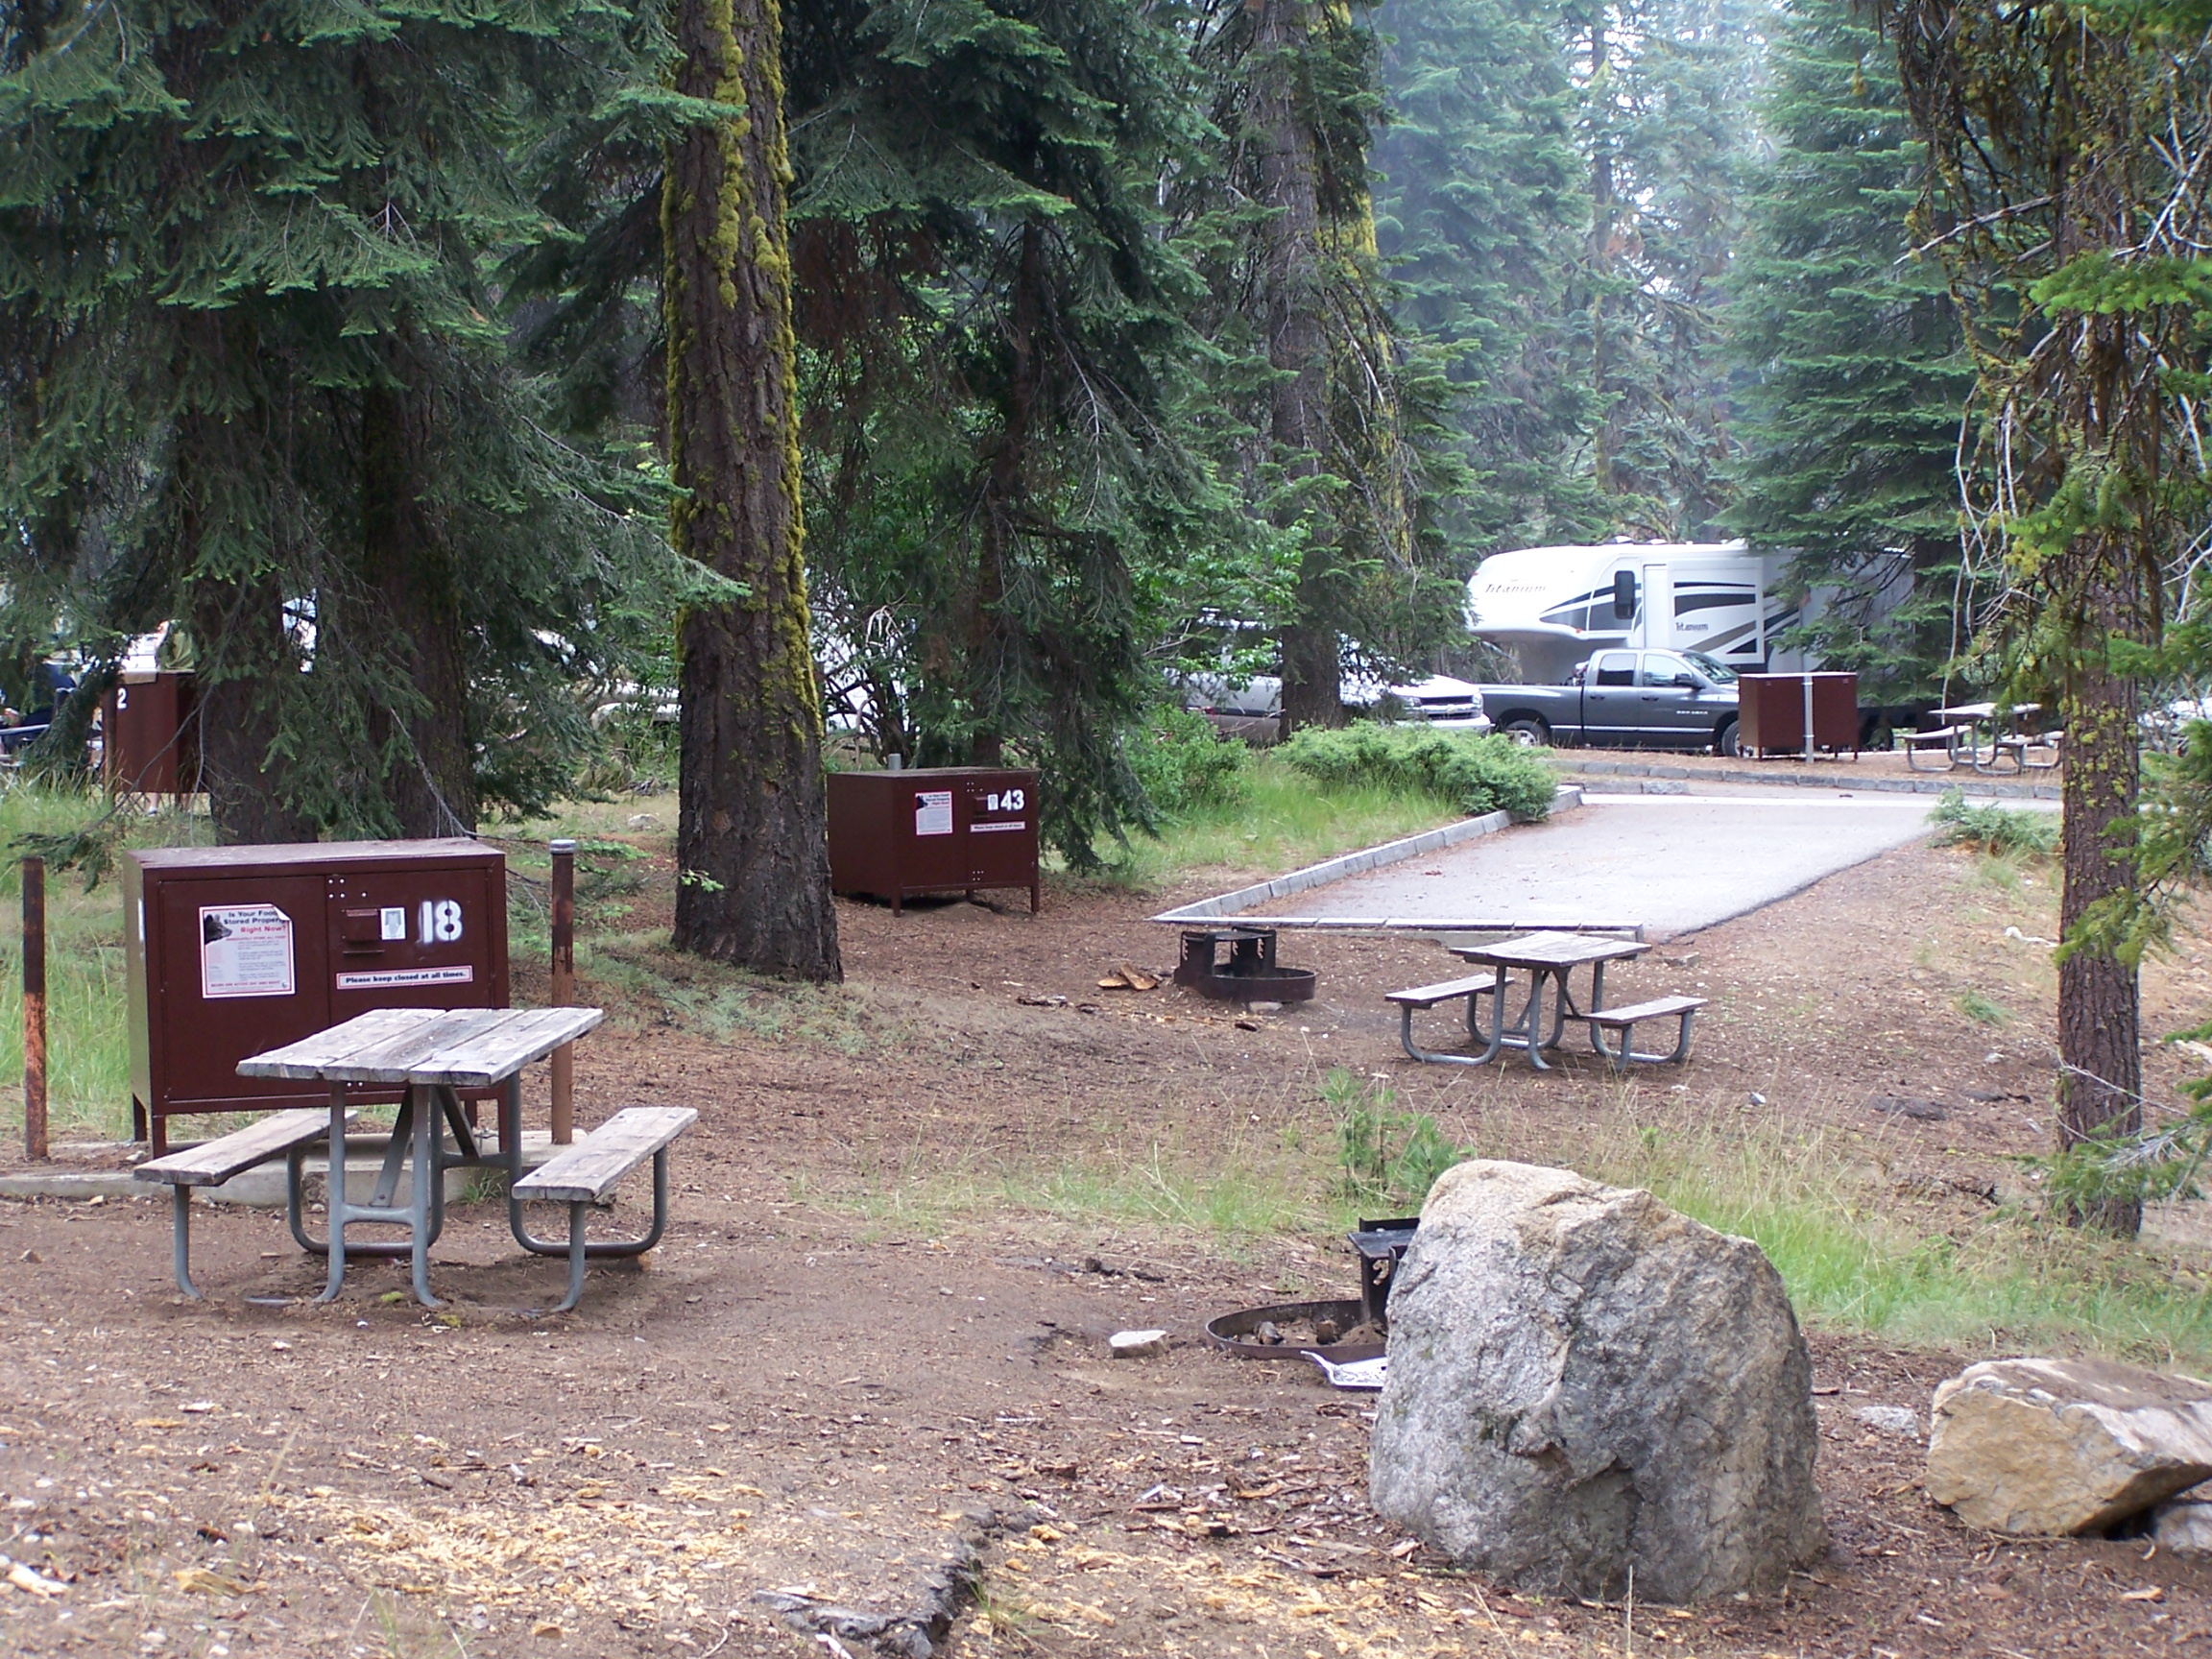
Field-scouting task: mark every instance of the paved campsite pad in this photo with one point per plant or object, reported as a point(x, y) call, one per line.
point(837, 1405)
point(1674, 862)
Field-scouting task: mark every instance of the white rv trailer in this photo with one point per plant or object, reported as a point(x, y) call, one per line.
point(1554, 606)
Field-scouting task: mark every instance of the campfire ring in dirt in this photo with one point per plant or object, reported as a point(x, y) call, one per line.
point(1251, 973)
point(1233, 1331)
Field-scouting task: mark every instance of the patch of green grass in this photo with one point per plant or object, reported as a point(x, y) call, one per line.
point(88, 1034)
point(1982, 1010)
point(654, 982)
point(1855, 1258)
point(1253, 1186)
point(1285, 821)
point(1998, 830)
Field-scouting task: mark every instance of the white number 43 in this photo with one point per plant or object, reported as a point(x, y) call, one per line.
point(1013, 801)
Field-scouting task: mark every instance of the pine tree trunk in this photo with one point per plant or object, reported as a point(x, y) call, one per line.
point(417, 620)
point(751, 839)
point(238, 635)
point(240, 654)
point(1288, 176)
point(987, 643)
point(1602, 214)
point(2100, 1022)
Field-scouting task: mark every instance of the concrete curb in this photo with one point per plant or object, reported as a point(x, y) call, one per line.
point(76, 1186)
point(1328, 870)
point(1976, 783)
point(261, 1188)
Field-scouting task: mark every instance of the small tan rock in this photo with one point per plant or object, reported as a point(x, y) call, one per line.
point(2049, 1448)
point(2183, 1525)
point(1137, 1344)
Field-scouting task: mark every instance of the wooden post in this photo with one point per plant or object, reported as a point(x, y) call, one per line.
point(564, 987)
point(35, 1009)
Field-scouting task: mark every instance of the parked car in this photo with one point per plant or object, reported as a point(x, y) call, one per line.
point(1627, 700)
point(1254, 710)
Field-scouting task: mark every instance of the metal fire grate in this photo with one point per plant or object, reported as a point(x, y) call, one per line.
point(1382, 1246)
point(1250, 974)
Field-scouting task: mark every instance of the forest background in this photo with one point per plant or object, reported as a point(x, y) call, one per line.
point(459, 386)
point(326, 332)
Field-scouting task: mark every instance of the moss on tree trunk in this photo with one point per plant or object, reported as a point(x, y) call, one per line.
point(751, 839)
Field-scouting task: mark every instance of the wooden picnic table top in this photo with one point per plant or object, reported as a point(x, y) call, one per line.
point(1985, 710)
point(460, 1047)
point(1550, 951)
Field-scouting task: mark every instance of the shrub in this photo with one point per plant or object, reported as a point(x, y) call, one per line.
point(1996, 831)
point(1184, 763)
point(1483, 774)
point(1385, 1154)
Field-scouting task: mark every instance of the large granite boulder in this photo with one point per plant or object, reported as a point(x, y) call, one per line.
point(1582, 1381)
point(2053, 1447)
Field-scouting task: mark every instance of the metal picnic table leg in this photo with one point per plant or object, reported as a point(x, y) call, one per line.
point(335, 1194)
point(1562, 1004)
point(181, 1241)
point(394, 1154)
point(1530, 1033)
point(429, 1133)
point(576, 1259)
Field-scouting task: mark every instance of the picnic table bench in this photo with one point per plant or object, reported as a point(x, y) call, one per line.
point(1946, 737)
point(1626, 1019)
point(1473, 988)
point(286, 1135)
point(583, 1175)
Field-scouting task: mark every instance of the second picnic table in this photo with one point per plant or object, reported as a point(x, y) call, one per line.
point(1544, 958)
point(433, 1053)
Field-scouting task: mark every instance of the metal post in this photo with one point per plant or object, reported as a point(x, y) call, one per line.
point(35, 1009)
point(1808, 719)
point(564, 990)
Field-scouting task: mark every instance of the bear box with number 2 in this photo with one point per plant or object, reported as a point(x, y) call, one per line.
point(933, 829)
point(230, 950)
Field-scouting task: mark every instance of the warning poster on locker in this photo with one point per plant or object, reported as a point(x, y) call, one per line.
point(932, 812)
point(245, 950)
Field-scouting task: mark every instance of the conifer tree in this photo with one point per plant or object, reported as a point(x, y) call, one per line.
point(2069, 198)
point(1854, 374)
point(1666, 124)
point(253, 385)
point(1479, 213)
point(1331, 460)
point(1001, 429)
point(1001, 423)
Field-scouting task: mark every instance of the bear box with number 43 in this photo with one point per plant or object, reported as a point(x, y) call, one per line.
point(230, 950)
point(933, 829)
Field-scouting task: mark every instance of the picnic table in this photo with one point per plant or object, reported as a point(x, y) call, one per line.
point(433, 1053)
point(1545, 957)
point(1987, 731)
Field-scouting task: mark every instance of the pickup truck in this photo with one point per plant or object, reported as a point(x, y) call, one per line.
point(1626, 700)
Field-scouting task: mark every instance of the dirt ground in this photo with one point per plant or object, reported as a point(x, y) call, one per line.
point(861, 1401)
